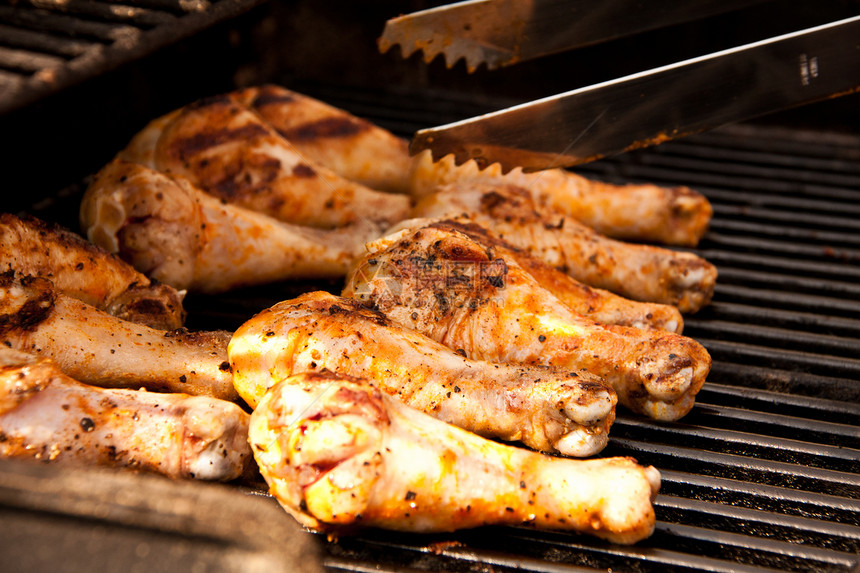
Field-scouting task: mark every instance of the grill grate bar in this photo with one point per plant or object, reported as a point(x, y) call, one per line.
point(777, 379)
point(719, 436)
point(770, 280)
point(769, 298)
point(793, 319)
point(800, 530)
point(761, 496)
point(741, 468)
point(804, 236)
point(39, 42)
point(26, 62)
point(780, 266)
point(840, 412)
point(777, 337)
point(822, 255)
point(804, 361)
point(63, 25)
point(103, 11)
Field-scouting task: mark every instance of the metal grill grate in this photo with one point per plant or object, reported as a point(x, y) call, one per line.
point(764, 473)
point(49, 45)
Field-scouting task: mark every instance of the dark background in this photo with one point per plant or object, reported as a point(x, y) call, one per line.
point(324, 45)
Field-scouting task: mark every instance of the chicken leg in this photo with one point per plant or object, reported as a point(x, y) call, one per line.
point(466, 295)
point(30, 247)
point(337, 453)
point(179, 235)
point(640, 272)
point(99, 349)
point(48, 416)
point(548, 409)
point(227, 150)
point(674, 216)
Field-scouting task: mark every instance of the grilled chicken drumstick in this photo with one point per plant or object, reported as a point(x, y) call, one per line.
point(46, 415)
point(30, 247)
point(674, 216)
point(181, 236)
point(547, 409)
point(338, 453)
point(99, 349)
point(597, 304)
point(227, 150)
point(467, 295)
point(640, 272)
point(351, 147)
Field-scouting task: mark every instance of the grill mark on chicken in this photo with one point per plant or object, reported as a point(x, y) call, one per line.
point(268, 96)
point(325, 128)
point(35, 308)
point(186, 147)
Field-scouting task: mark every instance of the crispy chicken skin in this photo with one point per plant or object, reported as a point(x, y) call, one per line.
point(548, 409)
point(640, 272)
point(351, 147)
point(31, 247)
point(441, 282)
point(99, 349)
point(48, 416)
point(650, 213)
point(181, 236)
point(597, 304)
point(227, 150)
point(338, 454)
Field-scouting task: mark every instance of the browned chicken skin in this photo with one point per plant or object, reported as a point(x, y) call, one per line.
point(441, 282)
point(339, 454)
point(597, 304)
point(46, 415)
point(30, 247)
point(99, 349)
point(650, 213)
point(181, 236)
point(550, 409)
point(227, 150)
point(640, 272)
point(351, 147)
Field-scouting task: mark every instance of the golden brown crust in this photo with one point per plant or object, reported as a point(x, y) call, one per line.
point(80, 269)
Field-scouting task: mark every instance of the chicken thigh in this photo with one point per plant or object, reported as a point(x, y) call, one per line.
point(559, 410)
point(339, 454)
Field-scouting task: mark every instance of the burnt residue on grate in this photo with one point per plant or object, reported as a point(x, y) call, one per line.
point(47, 46)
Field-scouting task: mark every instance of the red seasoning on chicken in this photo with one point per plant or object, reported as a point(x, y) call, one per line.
point(339, 454)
